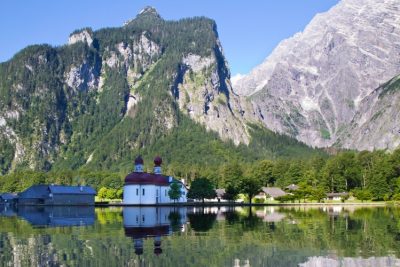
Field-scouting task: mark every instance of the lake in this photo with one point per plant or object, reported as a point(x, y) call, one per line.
point(217, 236)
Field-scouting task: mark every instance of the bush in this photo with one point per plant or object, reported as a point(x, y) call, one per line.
point(396, 197)
point(363, 194)
point(259, 200)
point(286, 198)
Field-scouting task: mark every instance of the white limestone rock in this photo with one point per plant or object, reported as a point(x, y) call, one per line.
point(83, 36)
point(82, 77)
point(197, 63)
point(376, 123)
point(207, 97)
point(312, 85)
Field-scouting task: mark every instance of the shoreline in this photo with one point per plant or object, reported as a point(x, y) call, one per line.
point(224, 204)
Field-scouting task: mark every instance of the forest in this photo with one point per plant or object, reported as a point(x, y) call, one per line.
point(366, 175)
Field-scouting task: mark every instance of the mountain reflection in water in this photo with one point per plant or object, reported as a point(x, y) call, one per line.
point(351, 262)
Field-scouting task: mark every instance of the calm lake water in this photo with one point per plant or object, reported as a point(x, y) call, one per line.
point(264, 236)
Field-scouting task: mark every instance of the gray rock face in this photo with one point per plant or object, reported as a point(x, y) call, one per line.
point(81, 77)
point(83, 36)
point(205, 94)
point(313, 84)
point(376, 123)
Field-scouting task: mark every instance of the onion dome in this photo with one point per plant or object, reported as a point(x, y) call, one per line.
point(157, 251)
point(157, 161)
point(139, 160)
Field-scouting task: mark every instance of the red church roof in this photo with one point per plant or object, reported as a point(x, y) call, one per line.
point(143, 232)
point(146, 178)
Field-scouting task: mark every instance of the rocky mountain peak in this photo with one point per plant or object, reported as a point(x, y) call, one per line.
point(149, 10)
point(312, 84)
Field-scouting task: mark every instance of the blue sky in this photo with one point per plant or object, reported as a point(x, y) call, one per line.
point(249, 29)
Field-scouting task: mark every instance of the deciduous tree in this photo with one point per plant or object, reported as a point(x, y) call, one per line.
point(201, 188)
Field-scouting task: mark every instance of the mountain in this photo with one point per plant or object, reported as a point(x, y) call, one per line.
point(376, 122)
point(150, 87)
point(316, 85)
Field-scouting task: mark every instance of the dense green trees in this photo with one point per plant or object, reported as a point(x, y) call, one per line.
point(250, 186)
point(367, 175)
point(201, 188)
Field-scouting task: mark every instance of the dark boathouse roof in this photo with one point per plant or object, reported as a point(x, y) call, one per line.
point(73, 190)
point(8, 196)
point(144, 178)
point(42, 191)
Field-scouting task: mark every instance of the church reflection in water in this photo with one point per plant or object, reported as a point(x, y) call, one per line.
point(152, 222)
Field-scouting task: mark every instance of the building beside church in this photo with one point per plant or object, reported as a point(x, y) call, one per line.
point(57, 195)
point(142, 188)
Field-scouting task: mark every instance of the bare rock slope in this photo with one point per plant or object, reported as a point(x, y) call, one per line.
point(315, 85)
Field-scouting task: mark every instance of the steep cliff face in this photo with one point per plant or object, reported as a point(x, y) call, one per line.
point(376, 123)
point(204, 92)
point(313, 84)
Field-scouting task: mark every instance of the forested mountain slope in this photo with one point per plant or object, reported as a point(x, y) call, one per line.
point(149, 87)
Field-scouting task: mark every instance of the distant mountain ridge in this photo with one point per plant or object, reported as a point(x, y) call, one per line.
point(315, 85)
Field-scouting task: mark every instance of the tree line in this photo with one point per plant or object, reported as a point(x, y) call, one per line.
point(366, 175)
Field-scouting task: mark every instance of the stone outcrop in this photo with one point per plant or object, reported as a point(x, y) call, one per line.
point(204, 92)
point(82, 36)
point(376, 123)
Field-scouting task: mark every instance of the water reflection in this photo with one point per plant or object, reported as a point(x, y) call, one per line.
point(201, 220)
point(154, 222)
point(7, 211)
point(52, 216)
point(212, 236)
point(351, 262)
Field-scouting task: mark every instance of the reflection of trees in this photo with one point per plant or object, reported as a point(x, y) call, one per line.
point(175, 220)
point(231, 216)
point(251, 221)
point(202, 222)
point(362, 233)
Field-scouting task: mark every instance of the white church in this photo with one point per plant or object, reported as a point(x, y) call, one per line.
point(143, 188)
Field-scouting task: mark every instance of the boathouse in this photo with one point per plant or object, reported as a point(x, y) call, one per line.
point(56, 216)
point(57, 195)
point(142, 188)
point(8, 198)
